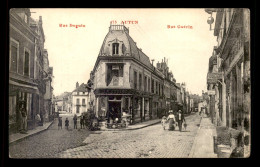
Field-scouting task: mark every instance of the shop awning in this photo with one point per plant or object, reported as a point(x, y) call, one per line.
point(14, 87)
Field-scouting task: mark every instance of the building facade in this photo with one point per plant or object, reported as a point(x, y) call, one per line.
point(26, 68)
point(126, 80)
point(80, 99)
point(229, 71)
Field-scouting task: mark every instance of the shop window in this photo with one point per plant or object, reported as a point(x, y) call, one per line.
point(26, 63)
point(14, 56)
point(115, 48)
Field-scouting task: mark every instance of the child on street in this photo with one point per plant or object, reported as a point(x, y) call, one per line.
point(164, 119)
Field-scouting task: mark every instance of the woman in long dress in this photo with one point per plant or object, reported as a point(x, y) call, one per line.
point(171, 119)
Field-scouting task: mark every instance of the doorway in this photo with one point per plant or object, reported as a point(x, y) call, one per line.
point(117, 108)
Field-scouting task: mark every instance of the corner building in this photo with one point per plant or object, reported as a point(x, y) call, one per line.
point(124, 79)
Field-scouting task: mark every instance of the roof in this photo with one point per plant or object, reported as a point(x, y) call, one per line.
point(121, 35)
point(219, 17)
point(82, 88)
point(63, 95)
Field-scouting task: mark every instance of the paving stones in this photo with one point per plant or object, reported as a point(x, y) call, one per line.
point(49, 143)
point(149, 142)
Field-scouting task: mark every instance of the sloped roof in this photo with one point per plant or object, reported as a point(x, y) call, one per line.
point(131, 48)
point(60, 97)
point(82, 88)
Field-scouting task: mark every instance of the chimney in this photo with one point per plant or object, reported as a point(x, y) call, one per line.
point(40, 19)
point(158, 65)
point(77, 85)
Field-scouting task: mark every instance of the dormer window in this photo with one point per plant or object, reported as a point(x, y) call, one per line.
point(115, 48)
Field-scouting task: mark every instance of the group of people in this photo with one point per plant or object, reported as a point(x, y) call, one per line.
point(173, 119)
point(75, 120)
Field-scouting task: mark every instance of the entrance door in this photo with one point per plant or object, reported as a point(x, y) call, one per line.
point(117, 108)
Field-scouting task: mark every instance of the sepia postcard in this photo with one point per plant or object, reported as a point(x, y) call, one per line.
point(129, 83)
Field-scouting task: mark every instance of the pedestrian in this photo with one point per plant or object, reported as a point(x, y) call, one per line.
point(75, 118)
point(164, 119)
point(171, 119)
point(180, 119)
point(38, 118)
point(60, 123)
point(67, 123)
point(24, 118)
point(81, 121)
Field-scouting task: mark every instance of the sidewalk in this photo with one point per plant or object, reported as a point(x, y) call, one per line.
point(135, 126)
point(203, 146)
point(18, 136)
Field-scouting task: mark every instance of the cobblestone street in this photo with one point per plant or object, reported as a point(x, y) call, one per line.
point(50, 142)
point(149, 142)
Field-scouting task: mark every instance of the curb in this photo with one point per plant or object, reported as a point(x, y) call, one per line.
point(195, 142)
point(131, 128)
point(30, 135)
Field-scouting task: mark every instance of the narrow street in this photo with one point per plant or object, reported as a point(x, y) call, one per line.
point(50, 142)
point(150, 142)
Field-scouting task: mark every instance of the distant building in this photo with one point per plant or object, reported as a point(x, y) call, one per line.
point(80, 99)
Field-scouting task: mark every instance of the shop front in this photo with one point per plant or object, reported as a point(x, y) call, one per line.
point(21, 94)
point(111, 103)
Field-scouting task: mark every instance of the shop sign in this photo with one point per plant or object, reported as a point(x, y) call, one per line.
point(211, 92)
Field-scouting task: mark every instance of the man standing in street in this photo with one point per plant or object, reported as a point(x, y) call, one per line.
point(75, 121)
point(180, 119)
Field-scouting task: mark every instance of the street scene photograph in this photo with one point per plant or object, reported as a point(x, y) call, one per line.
point(129, 83)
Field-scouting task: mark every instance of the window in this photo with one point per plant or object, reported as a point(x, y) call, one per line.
point(140, 81)
point(114, 71)
point(159, 89)
point(115, 48)
point(148, 84)
point(26, 63)
point(77, 93)
point(135, 79)
point(13, 59)
point(83, 102)
point(152, 86)
point(77, 110)
point(156, 87)
point(77, 101)
point(145, 83)
point(162, 89)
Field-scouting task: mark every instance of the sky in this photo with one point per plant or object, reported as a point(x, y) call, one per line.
point(73, 51)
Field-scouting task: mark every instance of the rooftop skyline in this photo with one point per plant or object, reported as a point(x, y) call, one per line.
point(73, 51)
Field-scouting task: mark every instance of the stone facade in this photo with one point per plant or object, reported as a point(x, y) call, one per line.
point(230, 62)
point(124, 79)
point(26, 73)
